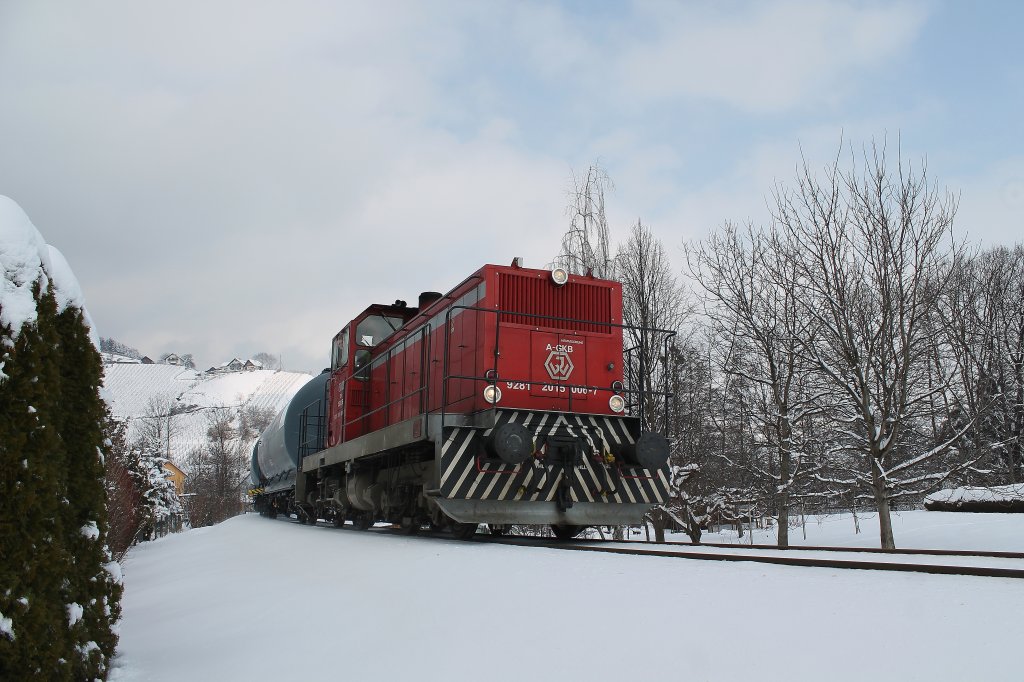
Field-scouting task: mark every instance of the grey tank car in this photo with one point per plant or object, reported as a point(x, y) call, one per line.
point(295, 429)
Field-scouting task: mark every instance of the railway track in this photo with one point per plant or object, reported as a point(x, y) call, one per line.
point(762, 554)
point(867, 550)
point(779, 557)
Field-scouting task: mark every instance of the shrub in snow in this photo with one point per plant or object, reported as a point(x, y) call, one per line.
point(1001, 498)
point(161, 506)
point(58, 601)
point(142, 503)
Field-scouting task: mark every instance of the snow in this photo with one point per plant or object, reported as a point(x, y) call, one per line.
point(115, 571)
point(22, 254)
point(75, 613)
point(6, 626)
point(132, 386)
point(133, 391)
point(254, 598)
point(67, 290)
point(90, 530)
point(26, 258)
point(1002, 493)
point(87, 648)
point(911, 530)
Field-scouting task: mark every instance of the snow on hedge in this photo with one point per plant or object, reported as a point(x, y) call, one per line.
point(25, 259)
point(996, 494)
point(1010, 497)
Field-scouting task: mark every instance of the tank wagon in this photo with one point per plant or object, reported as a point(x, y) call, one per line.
point(504, 401)
point(275, 457)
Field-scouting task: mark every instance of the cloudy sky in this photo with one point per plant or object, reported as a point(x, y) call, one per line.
point(234, 177)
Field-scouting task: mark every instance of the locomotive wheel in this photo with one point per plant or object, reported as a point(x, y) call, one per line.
point(463, 531)
point(497, 529)
point(363, 521)
point(566, 532)
point(410, 526)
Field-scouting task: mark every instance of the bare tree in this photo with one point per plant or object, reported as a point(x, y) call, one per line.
point(586, 244)
point(749, 280)
point(652, 299)
point(268, 360)
point(984, 325)
point(216, 472)
point(252, 420)
point(875, 252)
point(1004, 380)
point(157, 426)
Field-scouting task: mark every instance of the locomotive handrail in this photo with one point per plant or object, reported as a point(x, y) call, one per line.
point(636, 397)
point(385, 358)
point(641, 393)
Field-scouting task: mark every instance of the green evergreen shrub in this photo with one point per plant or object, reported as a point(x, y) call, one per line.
point(59, 593)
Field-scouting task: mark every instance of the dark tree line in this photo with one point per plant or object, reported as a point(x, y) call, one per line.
point(108, 345)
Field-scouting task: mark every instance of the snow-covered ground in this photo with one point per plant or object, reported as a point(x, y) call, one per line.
point(911, 530)
point(259, 599)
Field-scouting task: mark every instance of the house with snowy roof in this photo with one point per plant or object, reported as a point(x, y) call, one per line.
point(236, 365)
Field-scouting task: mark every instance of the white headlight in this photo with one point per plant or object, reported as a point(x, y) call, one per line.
point(617, 403)
point(559, 276)
point(492, 394)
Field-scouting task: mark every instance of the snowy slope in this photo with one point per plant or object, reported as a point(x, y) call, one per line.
point(135, 391)
point(258, 599)
point(132, 386)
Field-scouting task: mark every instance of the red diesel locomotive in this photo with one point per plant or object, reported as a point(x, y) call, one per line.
point(501, 402)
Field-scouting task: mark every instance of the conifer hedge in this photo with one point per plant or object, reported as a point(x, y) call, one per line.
point(59, 593)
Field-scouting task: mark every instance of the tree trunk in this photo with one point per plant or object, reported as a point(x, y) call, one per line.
point(692, 525)
point(658, 520)
point(882, 505)
point(784, 518)
point(785, 465)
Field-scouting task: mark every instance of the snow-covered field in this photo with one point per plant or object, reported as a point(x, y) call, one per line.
point(259, 599)
point(912, 530)
point(132, 389)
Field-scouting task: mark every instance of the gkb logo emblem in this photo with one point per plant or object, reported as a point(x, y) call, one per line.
point(559, 364)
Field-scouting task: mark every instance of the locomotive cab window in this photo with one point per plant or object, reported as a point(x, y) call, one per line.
point(375, 328)
point(362, 365)
point(339, 355)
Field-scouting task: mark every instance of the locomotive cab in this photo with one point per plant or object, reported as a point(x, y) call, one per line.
point(350, 386)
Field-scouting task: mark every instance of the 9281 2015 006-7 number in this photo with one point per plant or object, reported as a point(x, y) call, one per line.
point(550, 388)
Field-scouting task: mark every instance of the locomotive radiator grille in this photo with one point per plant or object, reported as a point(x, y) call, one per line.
point(524, 296)
point(466, 474)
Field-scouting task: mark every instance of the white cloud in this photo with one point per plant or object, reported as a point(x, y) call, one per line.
point(991, 203)
point(227, 178)
point(762, 57)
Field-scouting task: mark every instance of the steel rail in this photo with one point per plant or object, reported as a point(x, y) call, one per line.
point(873, 550)
point(981, 571)
point(803, 562)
